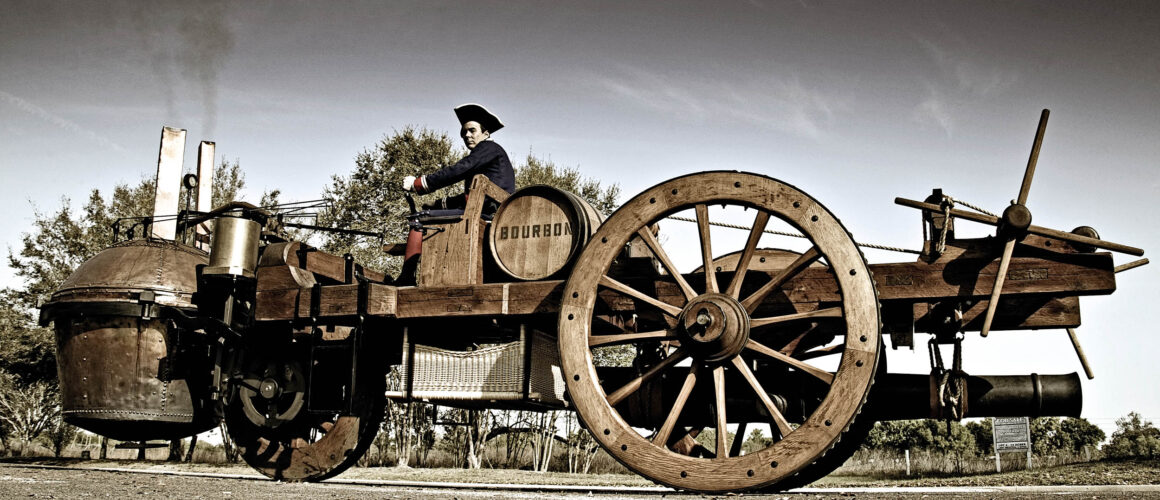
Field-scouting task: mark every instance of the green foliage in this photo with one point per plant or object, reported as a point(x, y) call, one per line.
point(756, 441)
point(59, 242)
point(1134, 437)
point(371, 197)
point(1051, 435)
point(928, 435)
point(1081, 433)
point(228, 180)
point(984, 435)
point(26, 410)
point(708, 439)
point(539, 171)
point(27, 351)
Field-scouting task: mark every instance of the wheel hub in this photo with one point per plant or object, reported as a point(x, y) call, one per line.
point(714, 327)
point(269, 388)
point(272, 393)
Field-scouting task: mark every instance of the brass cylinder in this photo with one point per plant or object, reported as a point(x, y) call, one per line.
point(234, 251)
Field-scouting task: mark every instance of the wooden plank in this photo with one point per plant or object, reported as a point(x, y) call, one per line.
point(900, 282)
point(1014, 313)
point(1076, 274)
point(327, 265)
point(278, 305)
point(534, 297)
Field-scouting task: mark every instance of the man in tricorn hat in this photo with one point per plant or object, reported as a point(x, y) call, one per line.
point(486, 157)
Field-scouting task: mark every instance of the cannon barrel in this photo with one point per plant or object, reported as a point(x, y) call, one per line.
point(894, 396)
point(900, 396)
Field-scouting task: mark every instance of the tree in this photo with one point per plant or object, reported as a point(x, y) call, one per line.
point(1134, 438)
point(756, 441)
point(371, 197)
point(466, 437)
point(983, 432)
point(1051, 435)
point(61, 241)
point(27, 351)
point(1081, 434)
point(927, 435)
point(26, 410)
point(893, 435)
point(582, 447)
point(540, 171)
point(60, 434)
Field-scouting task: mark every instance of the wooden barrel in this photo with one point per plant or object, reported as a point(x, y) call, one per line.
point(539, 230)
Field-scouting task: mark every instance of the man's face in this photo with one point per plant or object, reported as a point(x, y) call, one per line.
point(473, 134)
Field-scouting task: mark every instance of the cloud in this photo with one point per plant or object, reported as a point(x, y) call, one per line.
point(49, 117)
point(933, 111)
point(781, 103)
point(958, 82)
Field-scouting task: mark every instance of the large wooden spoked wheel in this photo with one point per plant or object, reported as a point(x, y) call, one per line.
point(267, 419)
point(719, 342)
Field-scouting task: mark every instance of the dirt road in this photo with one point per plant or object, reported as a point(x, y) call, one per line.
point(25, 481)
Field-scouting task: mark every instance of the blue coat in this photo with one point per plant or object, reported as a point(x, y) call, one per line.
point(488, 158)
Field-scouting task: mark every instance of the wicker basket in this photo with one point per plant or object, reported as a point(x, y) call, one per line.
point(495, 373)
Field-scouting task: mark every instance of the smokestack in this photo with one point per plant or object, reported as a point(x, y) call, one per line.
point(168, 183)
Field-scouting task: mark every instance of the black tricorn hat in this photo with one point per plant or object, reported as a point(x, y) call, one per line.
point(472, 112)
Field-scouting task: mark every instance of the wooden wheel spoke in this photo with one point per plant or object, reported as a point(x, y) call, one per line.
point(629, 338)
point(755, 233)
point(803, 261)
point(706, 248)
point(662, 436)
point(822, 375)
point(778, 419)
point(829, 312)
point(632, 386)
point(722, 426)
point(667, 308)
point(651, 240)
point(687, 445)
point(824, 351)
point(738, 440)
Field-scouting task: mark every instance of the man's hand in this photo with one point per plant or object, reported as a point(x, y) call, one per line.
point(409, 183)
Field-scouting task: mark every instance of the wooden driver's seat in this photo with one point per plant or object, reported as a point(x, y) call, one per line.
point(453, 251)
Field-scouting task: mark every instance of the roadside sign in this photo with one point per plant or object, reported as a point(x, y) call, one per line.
point(1011, 433)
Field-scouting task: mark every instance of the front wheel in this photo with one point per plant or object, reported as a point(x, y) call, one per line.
point(279, 434)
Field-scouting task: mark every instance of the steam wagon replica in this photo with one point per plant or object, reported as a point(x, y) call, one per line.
point(547, 306)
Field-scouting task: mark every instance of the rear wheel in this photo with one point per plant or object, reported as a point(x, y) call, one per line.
point(793, 351)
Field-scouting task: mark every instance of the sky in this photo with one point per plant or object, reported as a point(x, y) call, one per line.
point(853, 102)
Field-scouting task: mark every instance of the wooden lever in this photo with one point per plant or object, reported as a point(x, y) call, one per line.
point(1009, 246)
